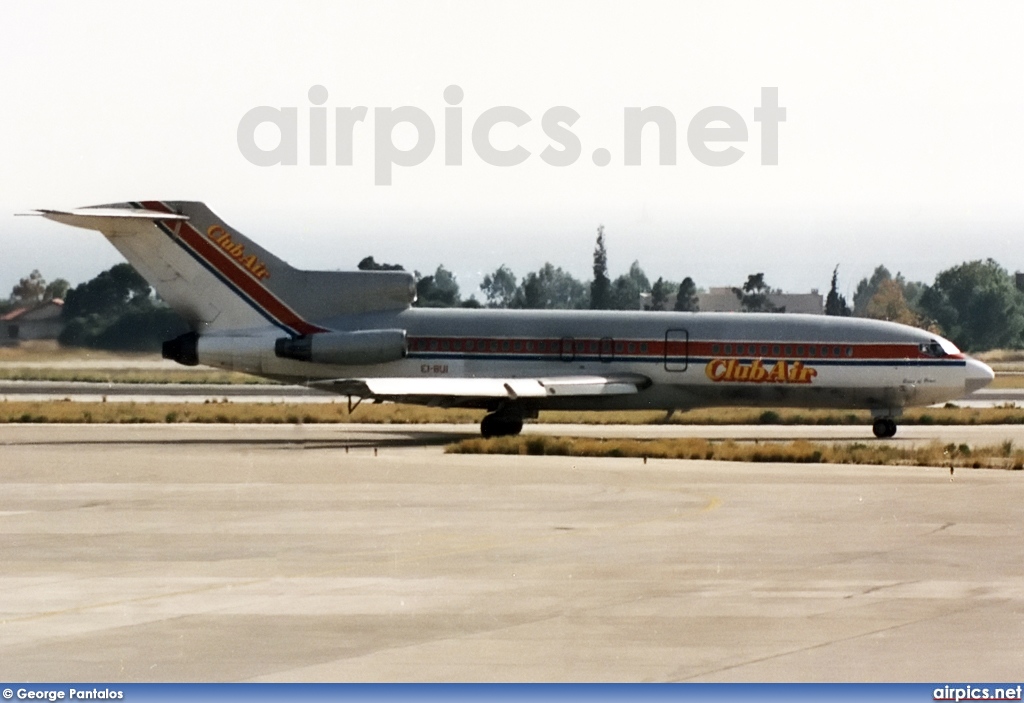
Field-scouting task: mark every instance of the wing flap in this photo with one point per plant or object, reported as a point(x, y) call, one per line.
point(510, 388)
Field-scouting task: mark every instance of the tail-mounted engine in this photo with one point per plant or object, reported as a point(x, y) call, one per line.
point(344, 348)
point(183, 349)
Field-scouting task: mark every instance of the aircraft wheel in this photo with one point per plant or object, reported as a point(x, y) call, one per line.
point(495, 425)
point(884, 427)
point(488, 426)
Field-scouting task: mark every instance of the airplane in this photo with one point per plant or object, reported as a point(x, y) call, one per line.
point(357, 333)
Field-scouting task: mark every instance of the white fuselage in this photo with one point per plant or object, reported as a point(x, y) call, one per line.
point(690, 359)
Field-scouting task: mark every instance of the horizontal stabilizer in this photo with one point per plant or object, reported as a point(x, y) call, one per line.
point(97, 217)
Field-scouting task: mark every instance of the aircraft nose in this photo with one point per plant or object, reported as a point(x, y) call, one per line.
point(978, 375)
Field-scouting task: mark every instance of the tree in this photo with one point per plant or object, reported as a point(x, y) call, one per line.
point(867, 288)
point(835, 304)
point(551, 288)
point(977, 305)
point(58, 288)
point(133, 330)
point(109, 294)
point(686, 297)
point(889, 304)
point(116, 310)
point(912, 291)
point(600, 287)
point(754, 295)
point(499, 287)
point(438, 291)
point(531, 294)
point(627, 290)
point(368, 264)
point(659, 294)
point(29, 290)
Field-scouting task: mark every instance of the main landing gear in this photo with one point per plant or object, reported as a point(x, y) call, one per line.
point(884, 427)
point(494, 425)
point(503, 422)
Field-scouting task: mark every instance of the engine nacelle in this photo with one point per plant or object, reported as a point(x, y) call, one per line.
point(344, 348)
point(184, 349)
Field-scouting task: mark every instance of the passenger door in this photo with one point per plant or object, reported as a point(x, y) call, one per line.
point(677, 350)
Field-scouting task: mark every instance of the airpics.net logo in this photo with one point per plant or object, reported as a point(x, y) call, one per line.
point(711, 134)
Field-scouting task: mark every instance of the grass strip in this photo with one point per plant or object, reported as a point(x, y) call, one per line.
point(1002, 456)
point(67, 411)
point(184, 376)
point(949, 415)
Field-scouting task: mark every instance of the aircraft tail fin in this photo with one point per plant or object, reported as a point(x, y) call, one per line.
point(218, 279)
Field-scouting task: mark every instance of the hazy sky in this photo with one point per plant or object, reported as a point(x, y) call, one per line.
point(902, 142)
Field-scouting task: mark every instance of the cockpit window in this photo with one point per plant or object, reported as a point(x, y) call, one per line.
point(937, 349)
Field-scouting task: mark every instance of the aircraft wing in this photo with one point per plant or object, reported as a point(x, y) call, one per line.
point(454, 389)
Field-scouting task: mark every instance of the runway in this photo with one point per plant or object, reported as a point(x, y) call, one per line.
point(267, 393)
point(251, 553)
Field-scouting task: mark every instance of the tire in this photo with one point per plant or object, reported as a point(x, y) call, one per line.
point(881, 428)
point(489, 426)
point(884, 427)
point(500, 426)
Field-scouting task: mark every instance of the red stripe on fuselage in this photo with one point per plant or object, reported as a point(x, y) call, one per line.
point(241, 277)
point(650, 348)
